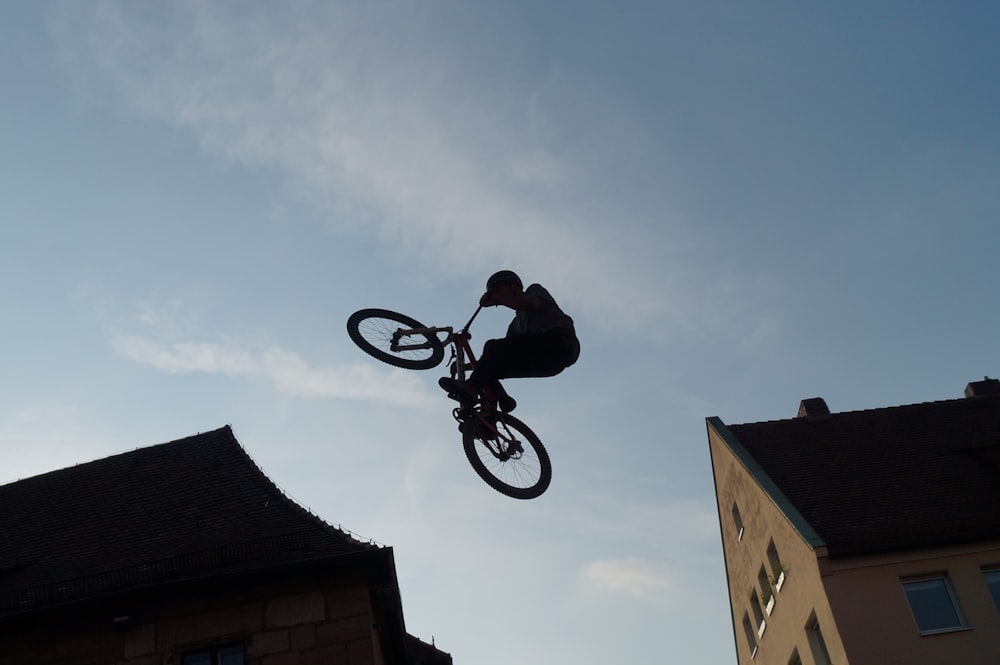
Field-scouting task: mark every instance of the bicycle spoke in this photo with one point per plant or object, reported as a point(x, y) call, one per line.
point(511, 464)
point(373, 330)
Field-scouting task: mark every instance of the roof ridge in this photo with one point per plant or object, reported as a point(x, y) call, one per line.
point(881, 479)
point(121, 453)
point(294, 504)
point(879, 409)
point(186, 501)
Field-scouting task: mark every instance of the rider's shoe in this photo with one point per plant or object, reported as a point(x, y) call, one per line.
point(478, 429)
point(506, 403)
point(486, 431)
point(460, 390)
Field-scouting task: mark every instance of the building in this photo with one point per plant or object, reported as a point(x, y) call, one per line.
point(867, 537)
point(185, 553)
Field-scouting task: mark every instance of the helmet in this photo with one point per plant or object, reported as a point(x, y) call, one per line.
point(504, 276)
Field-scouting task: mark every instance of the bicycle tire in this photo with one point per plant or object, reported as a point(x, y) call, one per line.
point(372, 329)
point(523, 476)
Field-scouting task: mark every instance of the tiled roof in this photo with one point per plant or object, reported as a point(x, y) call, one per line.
point(421, 653)
point(176, 510)
point(888, 479)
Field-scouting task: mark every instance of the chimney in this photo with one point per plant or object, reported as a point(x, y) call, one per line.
point(987, 386)
point(813, 407)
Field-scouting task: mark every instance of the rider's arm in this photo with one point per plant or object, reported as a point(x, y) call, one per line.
point(519, 302)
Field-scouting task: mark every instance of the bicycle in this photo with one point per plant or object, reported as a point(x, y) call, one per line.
point(501, 449)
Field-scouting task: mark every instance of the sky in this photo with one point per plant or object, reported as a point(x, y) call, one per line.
point(742, 205)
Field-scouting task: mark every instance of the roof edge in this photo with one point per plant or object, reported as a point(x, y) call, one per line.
point(766, 484)
point(171, 572)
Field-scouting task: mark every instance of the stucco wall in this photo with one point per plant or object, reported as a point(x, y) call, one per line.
point(859, 602)
point(876, 622)
point(802, 594)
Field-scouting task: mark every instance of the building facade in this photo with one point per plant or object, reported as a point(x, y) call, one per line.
point(864, 538)
point(185, 553)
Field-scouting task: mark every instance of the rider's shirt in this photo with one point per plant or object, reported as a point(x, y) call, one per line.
point(540, 320)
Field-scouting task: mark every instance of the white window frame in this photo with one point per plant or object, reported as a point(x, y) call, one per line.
point(962, 621)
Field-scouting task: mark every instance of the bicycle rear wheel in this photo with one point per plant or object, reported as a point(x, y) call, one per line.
point(373, 329)
point(514, 463)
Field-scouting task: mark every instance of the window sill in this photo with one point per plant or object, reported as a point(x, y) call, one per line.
point(944, 631)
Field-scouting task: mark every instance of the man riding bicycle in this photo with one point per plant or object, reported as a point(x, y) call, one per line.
point(541, 341)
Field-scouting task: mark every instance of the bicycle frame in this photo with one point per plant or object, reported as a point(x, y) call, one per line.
point(463, 360)
point(502, 450)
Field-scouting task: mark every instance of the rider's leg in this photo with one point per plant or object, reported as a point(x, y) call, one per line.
point(520, 356)
point(517, 356)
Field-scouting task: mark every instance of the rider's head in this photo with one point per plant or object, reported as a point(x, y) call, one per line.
point(504, 277)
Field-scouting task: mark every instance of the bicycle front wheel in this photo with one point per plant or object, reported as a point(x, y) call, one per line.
point(373, 331)
point(511, 460)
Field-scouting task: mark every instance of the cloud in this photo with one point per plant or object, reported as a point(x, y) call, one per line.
point(182, 357)
point(636, 577)
point(641, 545)
point(391, 127)
point(287, 371)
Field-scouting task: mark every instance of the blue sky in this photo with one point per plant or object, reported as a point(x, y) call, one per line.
point(741, 206)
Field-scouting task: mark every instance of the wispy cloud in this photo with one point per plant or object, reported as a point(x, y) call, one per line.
point(636, 577)
point(649, 543)
point(363, 107)
point(286, 370)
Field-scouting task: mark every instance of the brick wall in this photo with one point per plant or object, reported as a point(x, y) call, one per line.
point(295, 624)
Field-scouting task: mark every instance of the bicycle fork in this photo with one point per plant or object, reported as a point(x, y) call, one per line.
point(492, 433)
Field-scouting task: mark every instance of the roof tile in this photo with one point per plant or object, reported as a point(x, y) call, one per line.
point(888, 479)
point(179, 507)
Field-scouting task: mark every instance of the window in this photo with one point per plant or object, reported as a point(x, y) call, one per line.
point(738, 521)
point(777, 570)
point(758, 613)
point(228, 655)
point(749, 633)
point(816, 642)
point(934, 606)
point(766, 592)
point(992, 578)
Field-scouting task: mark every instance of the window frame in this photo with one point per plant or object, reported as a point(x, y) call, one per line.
point(750, 635)
point(767, 592)
point(757, 608)
point(737, 521)
point(777, 568)
point(961, 619)
point(992, 587)
point(214, 653)
point(817, 643)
